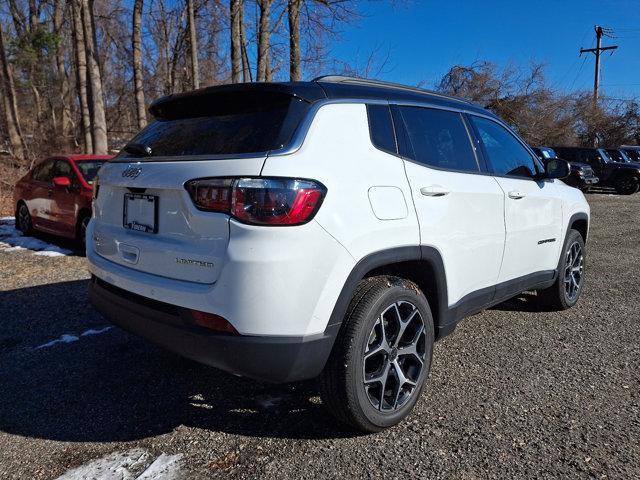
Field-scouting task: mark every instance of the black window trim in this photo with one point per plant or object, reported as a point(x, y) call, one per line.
point(396, 113)
point(490, 169)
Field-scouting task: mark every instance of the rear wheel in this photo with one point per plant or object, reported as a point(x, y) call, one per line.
point(382, 356)
point(564, 293)
point(627, 185)
point(23, 219)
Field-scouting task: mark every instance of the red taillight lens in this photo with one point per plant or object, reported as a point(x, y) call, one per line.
point(259, 201)
point(213, 322)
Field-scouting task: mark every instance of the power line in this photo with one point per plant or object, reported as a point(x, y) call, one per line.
point(600, 32)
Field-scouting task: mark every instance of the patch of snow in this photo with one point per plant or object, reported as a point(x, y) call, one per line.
point(11, 239)
point(68, 338)
point(133, 464)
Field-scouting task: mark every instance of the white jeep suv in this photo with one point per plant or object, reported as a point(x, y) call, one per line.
point(333, 228)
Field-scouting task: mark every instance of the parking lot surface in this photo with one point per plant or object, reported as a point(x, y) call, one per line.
point(513, 393)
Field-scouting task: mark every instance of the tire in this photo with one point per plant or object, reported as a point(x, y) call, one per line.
point(81, 229)
point(626, 185)
point(565, 292)
point(380, 307)
point(23, 219)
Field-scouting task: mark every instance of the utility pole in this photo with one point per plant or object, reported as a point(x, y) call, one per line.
point(596, 51)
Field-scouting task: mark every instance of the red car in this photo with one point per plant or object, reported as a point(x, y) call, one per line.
point(55, 196)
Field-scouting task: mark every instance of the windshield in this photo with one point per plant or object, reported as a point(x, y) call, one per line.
point(633, 155)
point(605, 158)
point(89, 169)
point(233, 124)
point(617, 156)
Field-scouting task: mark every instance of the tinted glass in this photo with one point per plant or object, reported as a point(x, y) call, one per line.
point(44, 173)
point(381, 128)
point(89, 169)
point(63, 169)
point(634, 155)
point(249, 124)
point(507, 156)
point(438, 138)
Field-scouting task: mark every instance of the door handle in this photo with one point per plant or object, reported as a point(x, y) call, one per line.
point(516, 195)
point(434, 191)
point(50, 192)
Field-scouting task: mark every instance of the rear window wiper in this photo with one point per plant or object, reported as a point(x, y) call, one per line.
point(138, 149)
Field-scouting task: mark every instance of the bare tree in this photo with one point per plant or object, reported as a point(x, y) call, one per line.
point(235, 18)
point(81, 74)
point(10, 104)
point(295, 68)
point(137, 64)
point(246, 66)
point(63, 78)
point(193, 39)
point(99, 120)
point(264, 40)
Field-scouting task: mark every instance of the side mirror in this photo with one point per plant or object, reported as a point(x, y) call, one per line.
point(556, 168)
point(61, 182)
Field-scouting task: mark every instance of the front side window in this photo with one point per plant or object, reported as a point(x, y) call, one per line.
point(506, 155)
point(439, 138)
point(63, 169)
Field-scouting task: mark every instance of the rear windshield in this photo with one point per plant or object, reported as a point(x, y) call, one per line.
point(236, 123)
point(89, 169)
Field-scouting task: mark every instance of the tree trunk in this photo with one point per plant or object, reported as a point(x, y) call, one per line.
point(137, 64)
point(10, 104)
point(99, 120)
point(193, 37)
point(235, 13)
point(263, 40)
point(81, 74)
point(295, 73)
point(34, 15)
point(63, 79)
point(246, 67)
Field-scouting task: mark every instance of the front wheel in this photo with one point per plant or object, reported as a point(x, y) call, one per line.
point(627, 185)
point(564, 293)
point(382, 355)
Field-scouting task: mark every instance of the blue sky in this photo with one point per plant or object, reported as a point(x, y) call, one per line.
point(425, 38)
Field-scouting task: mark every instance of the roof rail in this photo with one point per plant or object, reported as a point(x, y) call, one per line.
point(380, 83)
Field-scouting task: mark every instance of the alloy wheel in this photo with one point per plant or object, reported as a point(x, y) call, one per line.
point(573, 272)
point(394, 356)
point(24, 219)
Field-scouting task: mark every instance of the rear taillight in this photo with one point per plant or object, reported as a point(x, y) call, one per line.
point(259, 201)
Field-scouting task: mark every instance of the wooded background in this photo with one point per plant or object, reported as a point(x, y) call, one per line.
point(78, 75)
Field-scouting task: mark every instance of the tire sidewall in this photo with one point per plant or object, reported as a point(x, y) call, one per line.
point(394, 294)
point(25, 229)
point(573, 237)
point(620, 188)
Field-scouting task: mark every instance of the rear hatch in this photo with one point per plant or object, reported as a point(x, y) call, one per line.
point(144, 217)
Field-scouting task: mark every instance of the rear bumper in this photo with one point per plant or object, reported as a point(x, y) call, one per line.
point(268, 358)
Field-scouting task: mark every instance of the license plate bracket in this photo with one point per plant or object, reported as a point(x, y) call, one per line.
point(140, 212)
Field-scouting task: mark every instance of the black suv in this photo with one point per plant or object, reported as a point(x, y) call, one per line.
point(581, 175)
point(624, 177)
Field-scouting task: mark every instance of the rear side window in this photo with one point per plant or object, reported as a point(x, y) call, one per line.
point(229, 124)
point(44, 173)
point(507, 156)
point(381, 128)
point(438, 138)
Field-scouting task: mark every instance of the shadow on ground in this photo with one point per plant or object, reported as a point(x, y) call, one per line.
point(113, 386)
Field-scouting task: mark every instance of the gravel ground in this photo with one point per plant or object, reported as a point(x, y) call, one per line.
point(513, 393)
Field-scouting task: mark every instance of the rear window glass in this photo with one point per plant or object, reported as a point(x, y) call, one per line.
point(89, 169)
point(439, 139)
point(236, 123)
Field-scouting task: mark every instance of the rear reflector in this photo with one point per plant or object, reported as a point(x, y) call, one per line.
point(259, 201)
point(212, 322)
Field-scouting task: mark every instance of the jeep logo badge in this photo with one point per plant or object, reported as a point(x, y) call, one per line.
point(132, 172)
